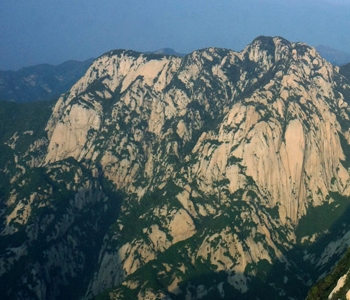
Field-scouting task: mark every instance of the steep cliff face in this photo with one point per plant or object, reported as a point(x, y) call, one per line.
point(224, 159)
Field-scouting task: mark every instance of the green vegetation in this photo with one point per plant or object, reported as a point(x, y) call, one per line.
point(324, 287)
point(46, 82)
point(105, 295)
point(69, 208)
point(321, 218)
point(24, 117)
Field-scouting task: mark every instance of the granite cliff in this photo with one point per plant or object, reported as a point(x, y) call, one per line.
point(219, 174)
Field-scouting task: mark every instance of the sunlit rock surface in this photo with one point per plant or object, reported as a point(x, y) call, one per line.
point(221, 160)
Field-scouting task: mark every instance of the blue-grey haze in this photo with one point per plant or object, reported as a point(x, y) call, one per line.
point(51, 31)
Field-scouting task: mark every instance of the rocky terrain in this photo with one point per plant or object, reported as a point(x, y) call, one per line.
point(219, 174)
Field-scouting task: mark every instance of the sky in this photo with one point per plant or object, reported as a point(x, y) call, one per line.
point(51, 31)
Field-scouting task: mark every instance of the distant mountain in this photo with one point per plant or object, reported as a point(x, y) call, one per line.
point(168, 51)
point(41, 82)
point(345, 70)
point(334, 56)
point(217, 175)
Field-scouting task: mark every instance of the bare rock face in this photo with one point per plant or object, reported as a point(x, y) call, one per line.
point(267, 121)
point(223, 159)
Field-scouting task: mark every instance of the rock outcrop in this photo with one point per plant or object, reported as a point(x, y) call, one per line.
point(222, 159)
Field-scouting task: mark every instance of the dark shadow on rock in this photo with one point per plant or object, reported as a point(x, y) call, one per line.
point(64, 232)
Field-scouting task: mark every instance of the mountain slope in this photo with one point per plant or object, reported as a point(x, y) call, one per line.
point(335, 285)
point(218, 169)
point(41, 82)
point(334, 56)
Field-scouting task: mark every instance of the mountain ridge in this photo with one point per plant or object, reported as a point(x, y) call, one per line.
point(334, 56)
point(40, 82)
point(214, 154)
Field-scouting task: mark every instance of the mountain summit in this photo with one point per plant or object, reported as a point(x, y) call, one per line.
point(219, 174)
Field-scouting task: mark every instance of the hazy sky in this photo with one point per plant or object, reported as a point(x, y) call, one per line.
point(53, 31)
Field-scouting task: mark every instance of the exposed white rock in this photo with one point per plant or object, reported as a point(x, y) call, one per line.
point(70, 134)
point(181, 226)
point(189, 141)
point(340, 284)
point(158, 238)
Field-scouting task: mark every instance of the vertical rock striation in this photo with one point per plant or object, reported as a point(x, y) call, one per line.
point(222, 159)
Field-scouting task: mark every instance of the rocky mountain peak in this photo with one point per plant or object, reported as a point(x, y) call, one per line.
point(284, 92)
point(222, 157)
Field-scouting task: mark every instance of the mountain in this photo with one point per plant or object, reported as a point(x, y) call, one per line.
point(168, 51)
point(217, 175)
point(334, 56)
point(41, 82)
point(345, 70)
